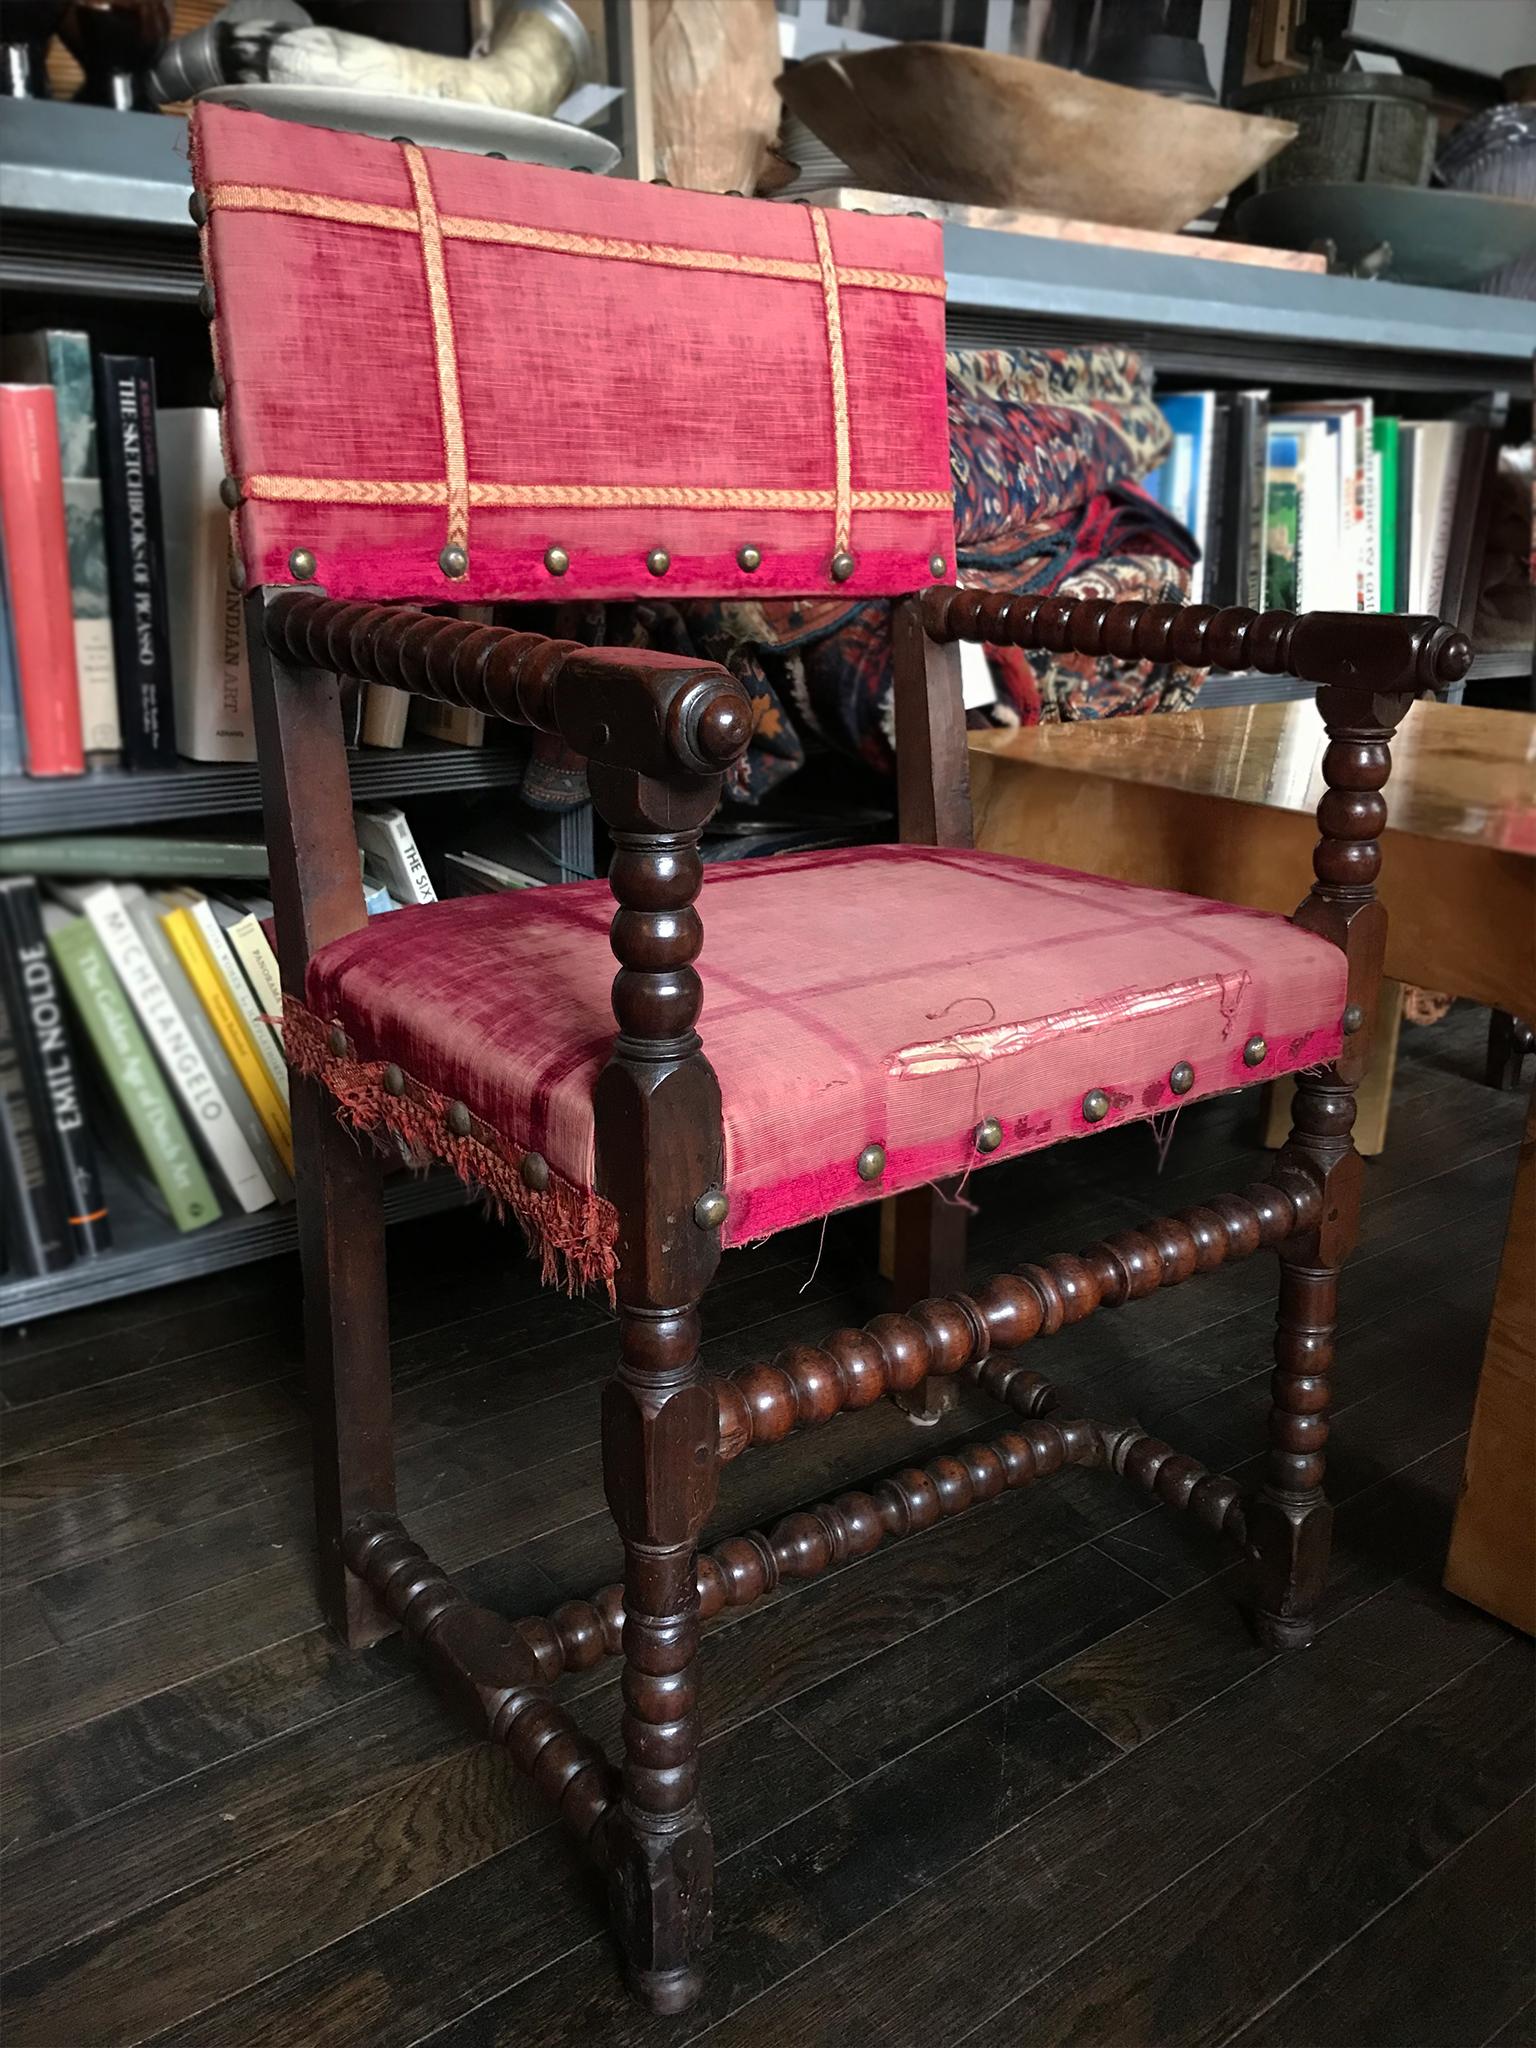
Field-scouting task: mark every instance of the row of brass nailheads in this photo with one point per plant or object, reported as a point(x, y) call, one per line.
point(454, 562)
point(713, 1206)
point(533, 1170)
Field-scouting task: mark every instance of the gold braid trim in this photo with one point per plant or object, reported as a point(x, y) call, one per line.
point(357, 213)
point(455, 458)
point(842, 510)
point(457, 227)
point(317, 490)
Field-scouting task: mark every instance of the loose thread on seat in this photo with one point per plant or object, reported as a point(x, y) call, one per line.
point(821, 1245)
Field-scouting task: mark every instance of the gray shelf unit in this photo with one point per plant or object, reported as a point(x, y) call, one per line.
point(93, 204)
point(110, 797)
point(150, 1252)
point(96, 201)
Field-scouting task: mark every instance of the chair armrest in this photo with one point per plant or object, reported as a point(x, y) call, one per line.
point(659, 715)
point(1377, 652)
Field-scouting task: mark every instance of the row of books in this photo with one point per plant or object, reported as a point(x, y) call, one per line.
point(141, 1015)
point(121, 636)
point(1322, 504)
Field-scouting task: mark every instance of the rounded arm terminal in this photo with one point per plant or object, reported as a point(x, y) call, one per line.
point(621, 706)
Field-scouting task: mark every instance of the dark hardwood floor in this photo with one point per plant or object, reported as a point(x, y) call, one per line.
point(1025, 1778)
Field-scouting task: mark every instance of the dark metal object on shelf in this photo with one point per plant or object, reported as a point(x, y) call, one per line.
point(1173, 66)
point(1355, 127)
point(26, 28)
point(116, 43)
point(196, 61)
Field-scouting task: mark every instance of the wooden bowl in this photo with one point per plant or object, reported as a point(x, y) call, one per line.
point(938, 121)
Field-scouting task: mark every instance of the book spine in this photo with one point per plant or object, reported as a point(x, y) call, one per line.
point(121, 857)
point(130, 472)
point(1371, 541)
point(63, 358)
point(58, 1107)
point(181, 1056)
point(386, 835)
point(384, 715)
point(209, 673)
point(1384, 434)
point(1407, 493)
point(13, 746)
point(128, 1068)
point(37, 560)
point(35, 1207)
point(266, 1047)
point(147, 914)
point(454, 723)
point(1221, 524)
point(208, 987)
point(261, 970)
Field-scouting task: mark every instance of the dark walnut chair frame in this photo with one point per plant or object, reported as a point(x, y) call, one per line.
point(658, 733)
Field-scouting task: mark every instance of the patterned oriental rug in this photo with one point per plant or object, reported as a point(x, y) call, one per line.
point(1047, 447)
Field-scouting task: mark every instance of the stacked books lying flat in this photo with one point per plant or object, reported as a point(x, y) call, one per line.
point(1325, 504)
point(140, 1017)
point(121, 634)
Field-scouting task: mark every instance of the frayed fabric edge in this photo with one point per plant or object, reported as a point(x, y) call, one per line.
point(573, 1231)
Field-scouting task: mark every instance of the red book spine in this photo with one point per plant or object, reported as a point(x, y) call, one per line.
point(37, 558)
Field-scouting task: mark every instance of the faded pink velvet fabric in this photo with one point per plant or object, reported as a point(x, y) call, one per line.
point(894, 994)
point(573, 369)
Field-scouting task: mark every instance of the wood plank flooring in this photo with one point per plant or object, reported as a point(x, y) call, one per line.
point(1026, 1778)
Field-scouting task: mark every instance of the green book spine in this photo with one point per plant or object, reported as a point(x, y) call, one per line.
point(129, 1068)
point(90, 856)
point(1282, 525)
point(1384, 444)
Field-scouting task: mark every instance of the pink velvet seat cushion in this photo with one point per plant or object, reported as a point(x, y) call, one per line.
point(884, 995)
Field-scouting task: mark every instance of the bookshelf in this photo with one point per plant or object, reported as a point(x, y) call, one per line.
point(110, 797)
point(93, 211)
point(148, 1252)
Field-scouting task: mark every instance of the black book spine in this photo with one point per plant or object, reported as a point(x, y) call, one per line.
point(130, 482)
point(34, 1208)
point(1221, 555)
point(1254, 411)
point(47, 1061)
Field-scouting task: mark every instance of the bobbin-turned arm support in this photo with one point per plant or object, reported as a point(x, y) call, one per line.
point(659, 715)
point(1375, 652)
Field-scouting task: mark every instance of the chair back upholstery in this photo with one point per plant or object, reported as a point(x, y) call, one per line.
point(450, 378)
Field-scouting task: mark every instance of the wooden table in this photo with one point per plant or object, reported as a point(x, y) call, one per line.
point(1220, 804)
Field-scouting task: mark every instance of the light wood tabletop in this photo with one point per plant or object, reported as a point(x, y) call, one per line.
point(1220, 804)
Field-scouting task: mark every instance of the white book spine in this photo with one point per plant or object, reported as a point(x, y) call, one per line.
point(175, 1046)
point(1371, 596)
point(240, 994)
point(260, 963)
point(96, 674)
point(385, 834)
point(209, 673)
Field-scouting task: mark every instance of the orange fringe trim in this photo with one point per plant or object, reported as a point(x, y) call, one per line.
point(573, 1230)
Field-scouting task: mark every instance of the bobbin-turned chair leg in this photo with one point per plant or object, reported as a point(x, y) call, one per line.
point(928, 1240)
point(1290, 1524)
point(346, 1345)
point(660, 1458)
point(660, 1149)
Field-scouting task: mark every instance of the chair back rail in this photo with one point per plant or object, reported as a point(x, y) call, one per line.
point(698, 395)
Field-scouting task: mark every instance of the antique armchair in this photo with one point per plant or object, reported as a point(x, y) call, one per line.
point(446, 378)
